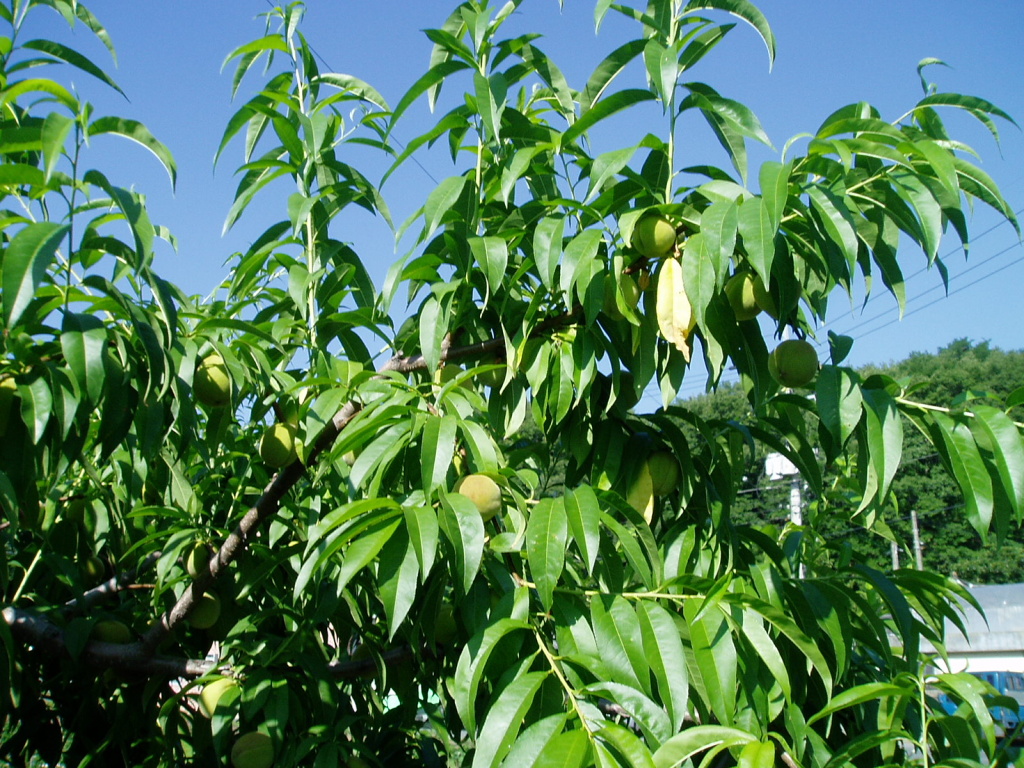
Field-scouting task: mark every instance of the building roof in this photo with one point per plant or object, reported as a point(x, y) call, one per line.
point(1003, 605)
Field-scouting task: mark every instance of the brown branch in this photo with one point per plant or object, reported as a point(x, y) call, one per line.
point(39, 632)
point(108, 588)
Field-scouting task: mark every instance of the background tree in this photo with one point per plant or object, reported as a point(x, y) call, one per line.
point(951, 545)
point(275, 515)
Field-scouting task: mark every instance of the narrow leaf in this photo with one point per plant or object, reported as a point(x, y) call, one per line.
point(505, 718)
point(397, 576)
point(437, 450)
point(463, 527)
point(583, 513)
point(83, 340)
point(969, 471)
point(137, 132)
point(25, 264)
point(546, 535)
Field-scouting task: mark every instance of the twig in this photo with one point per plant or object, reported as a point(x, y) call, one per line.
point(108, 588)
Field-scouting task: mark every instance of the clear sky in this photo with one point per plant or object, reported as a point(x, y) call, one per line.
point(829, 54)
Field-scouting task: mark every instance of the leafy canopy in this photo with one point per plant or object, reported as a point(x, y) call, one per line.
point(365, 607)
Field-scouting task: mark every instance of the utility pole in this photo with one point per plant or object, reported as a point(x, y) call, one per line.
point(777, 466)
point(796, 513)
point(918, 559)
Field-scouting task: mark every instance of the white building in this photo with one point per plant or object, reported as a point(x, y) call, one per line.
point(992, 646)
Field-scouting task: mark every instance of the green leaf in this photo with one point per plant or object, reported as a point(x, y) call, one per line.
point(137, 132)
point(434, 77)
point(1003, 439)
point(969, 471)
point(396, 576)
point(620, 641)
point(962, 101)
point(884, 436)
point(424, 531)
point(788, 626)
point(74, 58)
point(651, 718)
point(583, 513)
point(606, 165)
point(744, 10)
point(432, 330)
point(491, 253)
point(546, 535)
point(662, 69)
point(758, 233)
point(605, 108)
point(685, 745)
point(751, 623)
point(363, 549)
point(36, 408)
point(437, 449)
point(838, 222)
point(976, 182)
point(505, 718)
point(352, 85)
point(267, 43)
point(83, 340)
point(700, 46)
point(861, 694)
point(715, 658)
point(929, 212)
point(664, 651)
point(441, 200)
point(11, 93)
point(132, 206)
point(490, 101)
point(56, 128)
point(700, 274)
point(547, 248)
point(757, 754)
point(472, 663)
point(774, 180)
point(463, 527)
point(25, 264)
point(537, 741)
point(578, 260)
point(627, 744)
point(718, 227)
point(608, 70)
point(567, 750)
point(971, 691)
point(839, 402)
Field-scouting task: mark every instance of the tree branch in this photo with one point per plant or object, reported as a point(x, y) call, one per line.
point(269, 503)
point(39, 632)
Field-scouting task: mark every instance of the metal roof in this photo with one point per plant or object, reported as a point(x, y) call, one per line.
point(1003, 605)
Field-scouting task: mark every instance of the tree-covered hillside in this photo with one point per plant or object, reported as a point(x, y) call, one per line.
point(961, 372)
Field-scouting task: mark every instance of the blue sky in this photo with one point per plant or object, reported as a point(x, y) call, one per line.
point(829, 54)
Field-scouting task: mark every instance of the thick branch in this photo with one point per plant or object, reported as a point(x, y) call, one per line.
point(37, 631)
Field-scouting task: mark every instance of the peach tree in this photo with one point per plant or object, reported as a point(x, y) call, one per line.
point(236, 530)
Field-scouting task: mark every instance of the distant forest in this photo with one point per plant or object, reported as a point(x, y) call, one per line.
point(949, 544)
